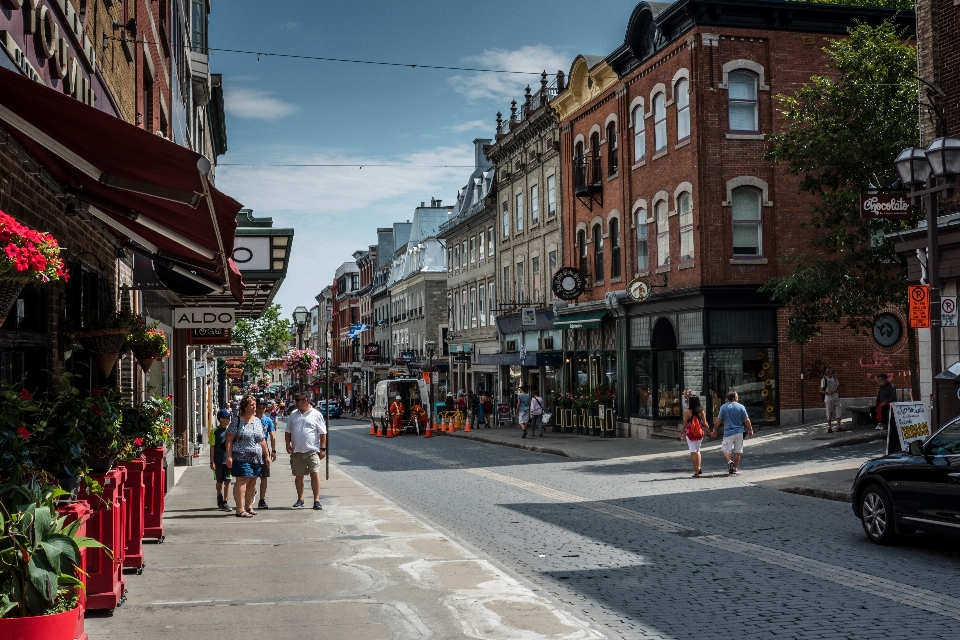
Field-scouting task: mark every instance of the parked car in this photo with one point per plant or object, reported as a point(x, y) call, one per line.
point(334, 408)
point(912, 490)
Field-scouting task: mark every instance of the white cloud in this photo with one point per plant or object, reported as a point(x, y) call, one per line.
point(472, 125)
point(244, 102)
point(509, 86)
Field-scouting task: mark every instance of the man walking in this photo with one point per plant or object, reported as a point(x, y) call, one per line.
point(270, 435)
point(218, 458)
point(523, 410)
point(829, 386)
point(306, 440)
point(886, 394)
point(733, 416)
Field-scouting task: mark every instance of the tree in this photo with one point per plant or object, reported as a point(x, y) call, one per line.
point(842, 135)
point(263, 338)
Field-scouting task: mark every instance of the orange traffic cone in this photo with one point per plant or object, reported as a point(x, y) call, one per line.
point(373, 428)
point(427, 433)
point(466, 425)
point(380, 431)
point(389, 430)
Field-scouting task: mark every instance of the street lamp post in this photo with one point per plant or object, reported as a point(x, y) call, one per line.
point(934, 168)
point(431, 347)
point(300, 316)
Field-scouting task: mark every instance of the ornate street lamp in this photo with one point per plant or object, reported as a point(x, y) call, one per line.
point(943, 155)
point(431, 347)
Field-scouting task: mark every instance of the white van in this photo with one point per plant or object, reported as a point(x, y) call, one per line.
point(412, 391)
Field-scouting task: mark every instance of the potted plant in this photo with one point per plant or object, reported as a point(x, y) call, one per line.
point(104, 337)
point(101, 427)
point(301, 362)
point(148, 343)
point(28, 257)
point(39, 561)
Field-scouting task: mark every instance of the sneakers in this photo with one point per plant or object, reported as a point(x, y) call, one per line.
point(730, 468)
point(317, 506)
point(219, 501)
point(879, 427)
point(262, 504)
point(524, 434)
point(298, 504)
point(734, 471)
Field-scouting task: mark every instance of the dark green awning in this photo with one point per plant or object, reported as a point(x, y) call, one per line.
point(589, 320)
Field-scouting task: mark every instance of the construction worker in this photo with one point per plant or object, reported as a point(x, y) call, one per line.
point(396, 412)
point(419, 414)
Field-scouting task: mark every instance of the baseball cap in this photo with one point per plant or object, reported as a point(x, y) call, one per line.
point(261, 401)
point(224, 413)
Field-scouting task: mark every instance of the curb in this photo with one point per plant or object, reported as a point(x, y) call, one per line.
point(859, 439)
point(825, 494)
point(526, 447)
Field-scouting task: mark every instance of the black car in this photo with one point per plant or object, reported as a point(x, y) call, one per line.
point(914, 490)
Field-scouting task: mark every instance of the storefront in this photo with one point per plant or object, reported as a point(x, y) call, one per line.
point(530, 355)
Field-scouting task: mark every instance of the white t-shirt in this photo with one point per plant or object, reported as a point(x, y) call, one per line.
point(536, 406)
point(305, 430)
point(830, 385)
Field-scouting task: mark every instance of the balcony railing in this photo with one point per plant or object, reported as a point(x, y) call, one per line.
point(588, 179)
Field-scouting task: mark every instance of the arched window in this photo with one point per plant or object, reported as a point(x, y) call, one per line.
point(681, 96)
point(660, 122)
point(597, 253)
point(747, 222)
point(663, 233)
point(582, 250)
point(612, 159)
point(595, 172)
point(579, 166)
point(742, 100)
point(639, 135)
point(614, 248)
point(685, 207)
point(643, 249)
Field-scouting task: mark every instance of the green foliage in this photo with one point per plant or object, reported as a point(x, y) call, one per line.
point(39, 552)
point(842, 135)
point(264, 338)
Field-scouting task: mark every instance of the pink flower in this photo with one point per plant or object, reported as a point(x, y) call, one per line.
point(23, 432)
point(25, 395)
point(138, 441)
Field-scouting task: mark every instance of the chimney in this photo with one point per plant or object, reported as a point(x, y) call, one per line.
point(438, 204)
point(479, 158)
point(422, 205)
point(560, 80)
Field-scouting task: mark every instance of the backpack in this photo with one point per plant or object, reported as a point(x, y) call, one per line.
point(695, 428)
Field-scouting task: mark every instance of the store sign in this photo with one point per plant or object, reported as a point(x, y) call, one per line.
point(461, 348)
point(885, 206)
point(568, 283)
point(461, 358)
point(204, 318)
point(233, 351)
point(210, 336)
point(371, 351)
point(918, 296)
point(638, 289)
point(528, 317)
point(911, 422)
point(273, 364)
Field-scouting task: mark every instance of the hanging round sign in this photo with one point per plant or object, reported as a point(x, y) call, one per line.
point(568, 283)
point(638, 289)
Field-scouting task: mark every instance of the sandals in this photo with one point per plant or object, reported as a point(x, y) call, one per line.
point(697, 474)
point(251, 512)
point(243, 514)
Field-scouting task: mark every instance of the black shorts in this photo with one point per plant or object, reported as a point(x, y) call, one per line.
point(222, 473)
point(265, 471)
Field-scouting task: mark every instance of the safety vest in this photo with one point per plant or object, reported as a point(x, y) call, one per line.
point(396, 409)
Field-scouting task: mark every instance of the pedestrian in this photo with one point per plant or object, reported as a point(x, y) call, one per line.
point(487, 404)
point(218, 458)
point(306, 440)
point(449, 404)
point(523, 409)
point(886, 395)
point(733, 416)
point(694, 423)
point(246, 455)
point(536, 413)
point(270, 435)
point(273, 412)
point(829, 386)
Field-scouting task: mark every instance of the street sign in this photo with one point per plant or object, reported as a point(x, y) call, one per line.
point(203, 318)
point(948, 311)
point(233, 351)
point(461, 358)
point(918, 296)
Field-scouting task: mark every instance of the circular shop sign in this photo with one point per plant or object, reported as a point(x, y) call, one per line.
point(568, 283)
point(638, 289)
point(242, 255)
point(887, 330)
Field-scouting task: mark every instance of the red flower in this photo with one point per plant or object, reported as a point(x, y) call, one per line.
point(25, 395)
point(170, 397)
point(24, 433)
point(138, 441)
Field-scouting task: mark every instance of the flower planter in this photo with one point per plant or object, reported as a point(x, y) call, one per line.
point(79, 511)
point(9, 291)
point(58, 626)
point(105, 345)
point(105, 585)
point(133, 492)
point(144, 355)
point(155, 486)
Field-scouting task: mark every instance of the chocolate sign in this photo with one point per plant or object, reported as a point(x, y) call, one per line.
point(885, 206)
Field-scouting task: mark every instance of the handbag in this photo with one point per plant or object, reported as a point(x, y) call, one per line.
point(545, 418)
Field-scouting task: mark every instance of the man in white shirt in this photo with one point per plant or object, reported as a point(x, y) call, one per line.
point(306, 439)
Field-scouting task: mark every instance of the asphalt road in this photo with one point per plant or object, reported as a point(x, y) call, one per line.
point(636, 546)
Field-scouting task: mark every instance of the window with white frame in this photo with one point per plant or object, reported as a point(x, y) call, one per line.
point(463, 308)
point(551, 196)
point(473, 307)
point(520, 290)
point(742, 101)
point(492, 301)
point(506, 220)
point(614, 234)
point(681, 96)
point(534, 204)
point(449, 259)
point(663, 233)
point(456, 255)
point(639, 135)
point(519, 212)
point(482, 242)
point(482, 304)
point(473, 249)
point(613, 158)
point(643, 249)
point(506, 284)
point(660, 121)
point(685, 208)
point(490, 243)
point(535, 275)
point(747, 222)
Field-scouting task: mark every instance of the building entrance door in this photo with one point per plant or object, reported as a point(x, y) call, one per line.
point(666, 367)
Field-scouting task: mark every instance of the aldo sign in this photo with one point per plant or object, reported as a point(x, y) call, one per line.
point(203, 318)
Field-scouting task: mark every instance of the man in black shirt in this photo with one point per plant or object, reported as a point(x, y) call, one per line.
point(886, 394)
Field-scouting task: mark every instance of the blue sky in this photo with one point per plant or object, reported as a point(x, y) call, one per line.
point(285, 111)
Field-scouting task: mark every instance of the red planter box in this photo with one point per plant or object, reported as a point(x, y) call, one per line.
point(155, 486)
point(133, 493)
point(105, 586)
point(59, 626)
point(79, 511)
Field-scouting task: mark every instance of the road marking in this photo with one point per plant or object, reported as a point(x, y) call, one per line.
point(902, 593)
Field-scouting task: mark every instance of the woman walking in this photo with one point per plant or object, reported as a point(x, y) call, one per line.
point(536, 413)
point(694, 420)
point(246, 455)
point(487, 403)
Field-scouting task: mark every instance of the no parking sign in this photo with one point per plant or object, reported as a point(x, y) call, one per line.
point(948, 311)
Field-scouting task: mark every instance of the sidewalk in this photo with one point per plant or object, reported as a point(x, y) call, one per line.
point(361, 568)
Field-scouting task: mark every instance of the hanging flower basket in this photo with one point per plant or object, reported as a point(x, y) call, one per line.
point(28, 257)
point(9, 291)
point(148, 343)
point(105, 345)
point(301, 362)
point(144, 355)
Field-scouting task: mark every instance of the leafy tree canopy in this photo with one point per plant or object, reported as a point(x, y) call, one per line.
point(842, 134)
point(264, 338)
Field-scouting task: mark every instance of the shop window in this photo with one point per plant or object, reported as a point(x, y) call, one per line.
point(609, 381)
point(582, 251)
point(660, 122)
point(685, 205)
point(642, 384)
point(597, 254)
point(643, 249)
point(640, 332)
point(749, 371)
point(551, 196)
point(681, 97)
point(747, 222)
point(742, 101)
point(581, 374)
point(614, 248)
point(742, 326)
point(613, 159)
point(668, 384)
point(639, 135)
point(534, 204)
point(663, 234)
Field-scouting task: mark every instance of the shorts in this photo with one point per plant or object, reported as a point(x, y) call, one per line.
point(302, 464)
point(524, 417)
point(834, 409)
point(265, 471)
point(246, 469)
point(222, 473)
point(694, 445)
point(733, 444)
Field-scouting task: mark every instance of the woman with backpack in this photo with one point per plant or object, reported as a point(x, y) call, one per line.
point(694, 421)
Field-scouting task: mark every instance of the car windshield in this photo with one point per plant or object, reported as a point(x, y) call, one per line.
point(946, 442)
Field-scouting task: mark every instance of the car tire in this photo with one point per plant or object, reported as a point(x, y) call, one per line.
point(877, 516)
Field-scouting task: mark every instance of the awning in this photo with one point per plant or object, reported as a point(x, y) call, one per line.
point(589, 320)
point(150, 192)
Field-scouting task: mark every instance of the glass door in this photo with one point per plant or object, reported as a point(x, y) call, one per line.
point(668, 383)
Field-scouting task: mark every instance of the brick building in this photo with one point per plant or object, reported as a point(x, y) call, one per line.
point(676, 219)
point(346, 313)
point(367, 262)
